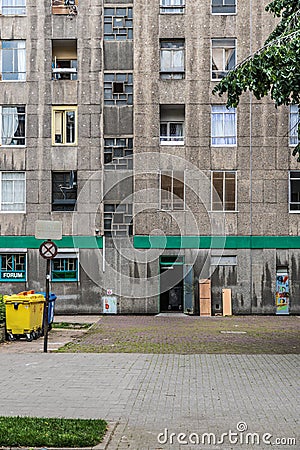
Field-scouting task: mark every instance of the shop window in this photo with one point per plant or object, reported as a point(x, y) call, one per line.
point(12, 192)
point(224, 191)
point(172, 59)
point(294, 122)
point(64, 59)
point(223, 57)
point(172, 190)
point(13, 60)
point(294, 191)
point(172, 124)
point(117, 219)
point(172, 6)
point(13, 7)
point(223, 6)
point(118, 24)
point(223, 125)
point(12, 125)
point(64, 268)
point(64, 125)
point(12, 267)
point(64, 191)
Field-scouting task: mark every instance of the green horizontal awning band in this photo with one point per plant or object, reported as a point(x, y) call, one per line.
point(65, 242)
point(160, 242)
point(227, 242)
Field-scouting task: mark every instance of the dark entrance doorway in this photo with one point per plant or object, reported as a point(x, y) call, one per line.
point(171, 283)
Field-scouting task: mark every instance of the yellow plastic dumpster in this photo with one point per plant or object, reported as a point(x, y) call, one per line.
point(24, 315)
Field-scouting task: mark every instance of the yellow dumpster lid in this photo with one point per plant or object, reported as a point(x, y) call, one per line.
point(19, 298)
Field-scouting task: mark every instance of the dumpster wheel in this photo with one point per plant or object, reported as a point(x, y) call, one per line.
point(29, 337)
point(10, 337)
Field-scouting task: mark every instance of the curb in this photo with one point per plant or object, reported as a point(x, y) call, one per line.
point(111, 426)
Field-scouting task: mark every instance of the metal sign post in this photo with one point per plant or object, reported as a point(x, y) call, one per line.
point(48, 250)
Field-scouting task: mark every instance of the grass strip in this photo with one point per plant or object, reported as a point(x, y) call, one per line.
point(68, 325)
point(50, 432)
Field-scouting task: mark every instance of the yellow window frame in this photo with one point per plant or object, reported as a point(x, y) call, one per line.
point(64, 110)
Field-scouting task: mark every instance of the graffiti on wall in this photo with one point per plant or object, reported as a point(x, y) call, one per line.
point(282, 293)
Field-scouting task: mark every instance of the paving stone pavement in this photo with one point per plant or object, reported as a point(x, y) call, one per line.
point(149, 393)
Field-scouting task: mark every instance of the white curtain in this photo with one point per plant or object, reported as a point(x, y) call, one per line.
point(294, 119)
point(13, 191)
point(223, 125)
point(10, 124)
point(21, 60)
point(13, 7)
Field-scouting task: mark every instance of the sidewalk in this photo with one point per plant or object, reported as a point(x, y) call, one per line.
point(56, 338)
point(147, 394)
point(158, 394)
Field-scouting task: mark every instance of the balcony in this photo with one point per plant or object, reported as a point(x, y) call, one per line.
point(67, 7)
point(64, 59)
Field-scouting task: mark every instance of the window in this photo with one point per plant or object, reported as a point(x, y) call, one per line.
point(118, 153)
point(223, 6)
point(117, 219)
point(12, 191)
point(13, 7)
point(64, 267)
point(223, 57)
point(172, 190)
point(64, 7)
point(223, 191)
point(118, 89)
point(172, 124)
point(294, 120)
point(118, 25)
point(13, 61)
point(223, 125)
point(12, 267)
point(64, 191)
point(172, 60)
point(64, 125)
point(294, 191)
point(223, 260)
point(172, 6)
point(64, 59)
point(12, 125)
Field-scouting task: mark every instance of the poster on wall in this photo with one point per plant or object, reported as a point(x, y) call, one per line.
point(282, 293)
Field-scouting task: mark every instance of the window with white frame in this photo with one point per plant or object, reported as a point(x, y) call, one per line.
point(172, 59)
point(64, 125)
point(294, 191)
point(12, 191)
point(223, 6)
point(294, 121)
point(12, 267)
point(172, 192)
point(172, 124)
point(223, 195)
point(12, 125)
point(223, 125)
point(13, 60)
point(13, 7)
point(172, 6)
point(223, 57)
point(64, 267)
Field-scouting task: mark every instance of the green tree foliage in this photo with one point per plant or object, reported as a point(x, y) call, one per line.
point(275, 68)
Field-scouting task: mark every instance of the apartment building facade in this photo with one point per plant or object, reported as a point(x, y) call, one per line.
point(169, 201)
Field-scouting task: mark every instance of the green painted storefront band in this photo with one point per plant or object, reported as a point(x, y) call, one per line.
point(161, 242)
